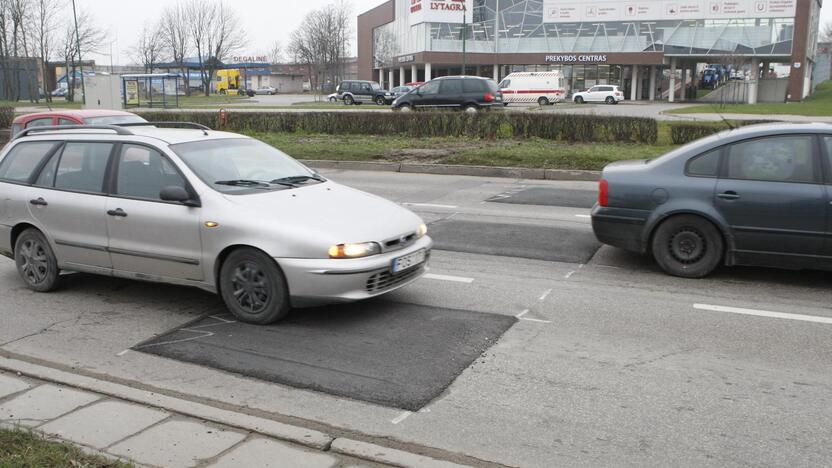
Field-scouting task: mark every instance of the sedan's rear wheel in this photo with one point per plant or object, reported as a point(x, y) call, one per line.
point(543, 101)
point(36, 263)
point(471, 109)
point(687, 246)
point(253, 287)
point(405, 108)
point(610, 100)
point(579, 100)
point(349, 100)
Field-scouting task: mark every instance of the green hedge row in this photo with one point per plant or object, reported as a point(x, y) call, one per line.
point(6, 116)
point(572, 128)
point(681, 134)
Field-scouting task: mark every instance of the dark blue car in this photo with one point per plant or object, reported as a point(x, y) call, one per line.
point(759, 195)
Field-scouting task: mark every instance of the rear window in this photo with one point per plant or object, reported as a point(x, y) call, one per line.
point(705, 165)
point(491, 86)
point(21, 161)
point(451, 87)
point(473, 86)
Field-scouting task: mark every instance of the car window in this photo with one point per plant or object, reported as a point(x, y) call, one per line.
point(704, 165)
point(505, 84)
point(45, 122)
point(82, 167)
point(472, 86)
point(22, 160)
point(16, 128)
point(776, 159)
point(829, 150)
point(355, 87)
point(606, 88)
point(451, 87)
point(66, 122)
point(46, 178)
point(430, 88)
point(593, 89)
point(143, 172)
point(115, 120)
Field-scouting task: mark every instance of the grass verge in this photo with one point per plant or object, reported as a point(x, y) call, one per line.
point(58, 103)
point(20, 448)
point(816, 105)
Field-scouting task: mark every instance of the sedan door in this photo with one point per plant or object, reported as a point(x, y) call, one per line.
point(150, 237)
point(68, 200)
point(772, 197)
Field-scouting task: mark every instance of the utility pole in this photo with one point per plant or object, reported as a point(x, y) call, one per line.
point(464, 36)
point(80, 60)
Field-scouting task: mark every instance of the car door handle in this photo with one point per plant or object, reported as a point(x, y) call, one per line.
point(39, 202)
point(117, 212)
point(729, 195)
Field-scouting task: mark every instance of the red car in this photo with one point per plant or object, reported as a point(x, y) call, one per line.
point(74, 117)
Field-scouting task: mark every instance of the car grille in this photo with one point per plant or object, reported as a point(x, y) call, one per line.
point(399, 242)
point(386, 280)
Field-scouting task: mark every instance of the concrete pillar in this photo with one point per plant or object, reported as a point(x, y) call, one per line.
point(401, 76)
point(496, 73)
point(428, 72)
point(633, 83)
point(391, 78)
point(414, 73)
point(683, 97)
point(652, 82)
point(671, 96)
point(639, 90)
point(753, 84)
point(381, 78)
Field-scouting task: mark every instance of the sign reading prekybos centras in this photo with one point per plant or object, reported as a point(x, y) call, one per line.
point(558, 11)
point(441, 11)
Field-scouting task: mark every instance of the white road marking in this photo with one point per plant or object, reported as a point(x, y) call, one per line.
point(536, 320)
point(430, 205)
point(764, 313)
point(583, 216)
point(123, 352)
point(455, 279)
point(401, 417)
point(203, 334)
point(545, 295)
point(521, 314)
point(569, 275)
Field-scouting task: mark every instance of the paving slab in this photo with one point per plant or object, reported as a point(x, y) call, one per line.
point(265, 453)
point(43, 403)
point(177, 443)
point(104, 423)
point(10, 385)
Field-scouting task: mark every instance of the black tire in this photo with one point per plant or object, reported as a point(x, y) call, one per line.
point(223, 92)
point(380, 101)
point(349, 100)
point(333, 100)
point(579, 100)
point(543, 101)
point(36, 262)
point(610, 100)
point(253, 287)
point(688, 246)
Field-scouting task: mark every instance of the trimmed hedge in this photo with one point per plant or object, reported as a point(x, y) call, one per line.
point(490, 125)
point(6, 116)
point(681, 134)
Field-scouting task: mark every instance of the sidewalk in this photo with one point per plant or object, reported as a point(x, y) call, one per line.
point(160, 431)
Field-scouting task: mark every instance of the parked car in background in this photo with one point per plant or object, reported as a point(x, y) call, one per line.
point(60, 92)
point(194, 207)
point(359, 92)
point(333, 98)
point(758, 195)
point(543, 88)
point(73, 117)
point(268, 90)
point(469, 93)
point(401, 90)
point(607, 94)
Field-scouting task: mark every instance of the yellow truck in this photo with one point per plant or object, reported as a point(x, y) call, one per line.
point(229, 82)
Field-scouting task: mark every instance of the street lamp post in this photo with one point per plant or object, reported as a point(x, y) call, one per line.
point(464, 38)
point(80, 60)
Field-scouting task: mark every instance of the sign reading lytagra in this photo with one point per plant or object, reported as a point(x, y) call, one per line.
point(441, 11)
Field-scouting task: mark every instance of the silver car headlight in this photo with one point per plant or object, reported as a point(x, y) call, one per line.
point(365, 249)
point(421, 231)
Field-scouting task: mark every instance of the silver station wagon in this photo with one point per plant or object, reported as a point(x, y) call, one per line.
point(190, 206)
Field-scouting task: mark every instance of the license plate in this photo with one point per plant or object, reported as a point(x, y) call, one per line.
point(408, 261)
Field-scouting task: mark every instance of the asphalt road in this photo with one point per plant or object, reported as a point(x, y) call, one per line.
point(609, 362)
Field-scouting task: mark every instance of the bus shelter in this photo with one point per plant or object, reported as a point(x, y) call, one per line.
point(159, 90)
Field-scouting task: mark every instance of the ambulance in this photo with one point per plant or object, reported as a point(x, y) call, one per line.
point(543, 88)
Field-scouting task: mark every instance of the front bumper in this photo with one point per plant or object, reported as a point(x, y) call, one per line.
point(321, 281)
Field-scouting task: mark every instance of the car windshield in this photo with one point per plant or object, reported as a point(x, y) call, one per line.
point(241, 165)
point(376, 87)
point(114, 120)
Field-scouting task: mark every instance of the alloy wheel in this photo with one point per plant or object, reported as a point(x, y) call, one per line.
point(35, 265)
point(251, 287)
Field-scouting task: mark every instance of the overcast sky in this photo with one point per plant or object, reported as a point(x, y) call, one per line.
point(264, 21)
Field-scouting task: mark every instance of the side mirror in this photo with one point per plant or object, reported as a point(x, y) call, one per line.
point(175, 193)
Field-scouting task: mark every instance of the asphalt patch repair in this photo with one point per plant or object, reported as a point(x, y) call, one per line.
point(392, 354)
point(554, 244)
point(549, 197)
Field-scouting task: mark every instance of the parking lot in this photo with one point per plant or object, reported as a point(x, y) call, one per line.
point(553, 349)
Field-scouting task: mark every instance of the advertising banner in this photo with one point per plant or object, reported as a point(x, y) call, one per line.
point(440, 11)
point(131, 92)
point(558, 11)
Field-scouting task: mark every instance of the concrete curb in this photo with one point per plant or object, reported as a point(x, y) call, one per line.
point(461, 170)
point(372, 452)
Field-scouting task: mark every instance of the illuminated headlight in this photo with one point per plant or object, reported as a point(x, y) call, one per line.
point(421, 231)
point(354, 250)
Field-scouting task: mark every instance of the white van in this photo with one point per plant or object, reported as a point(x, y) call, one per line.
point(542, 87)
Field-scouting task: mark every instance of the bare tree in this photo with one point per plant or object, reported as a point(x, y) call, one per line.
point(44, 28)
point(215, 33)
point(826, 33)
point(275, 53)
point(89, 38)
point(321, 43)
point(175, 33)
point(149, 48)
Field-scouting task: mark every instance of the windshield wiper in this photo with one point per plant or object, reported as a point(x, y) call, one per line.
point(298, 179)
point(243, 183)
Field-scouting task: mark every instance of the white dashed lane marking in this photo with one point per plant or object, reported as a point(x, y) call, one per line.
point(455, 279)
point(764, 313)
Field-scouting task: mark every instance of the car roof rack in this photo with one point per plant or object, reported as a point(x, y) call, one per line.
point(56, 128)
point(174, 123)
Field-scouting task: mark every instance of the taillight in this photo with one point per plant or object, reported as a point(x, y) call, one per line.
point(488, 97)
point(604, 192)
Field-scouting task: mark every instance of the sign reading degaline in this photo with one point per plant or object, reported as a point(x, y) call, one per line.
point(441, 11)
point(556, 11)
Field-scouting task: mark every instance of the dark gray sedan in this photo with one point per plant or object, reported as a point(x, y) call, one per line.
point(759, 195)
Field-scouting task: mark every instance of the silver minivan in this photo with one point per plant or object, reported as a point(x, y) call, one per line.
point(215, 210)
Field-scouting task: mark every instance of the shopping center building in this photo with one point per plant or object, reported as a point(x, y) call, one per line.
point(647, 47)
